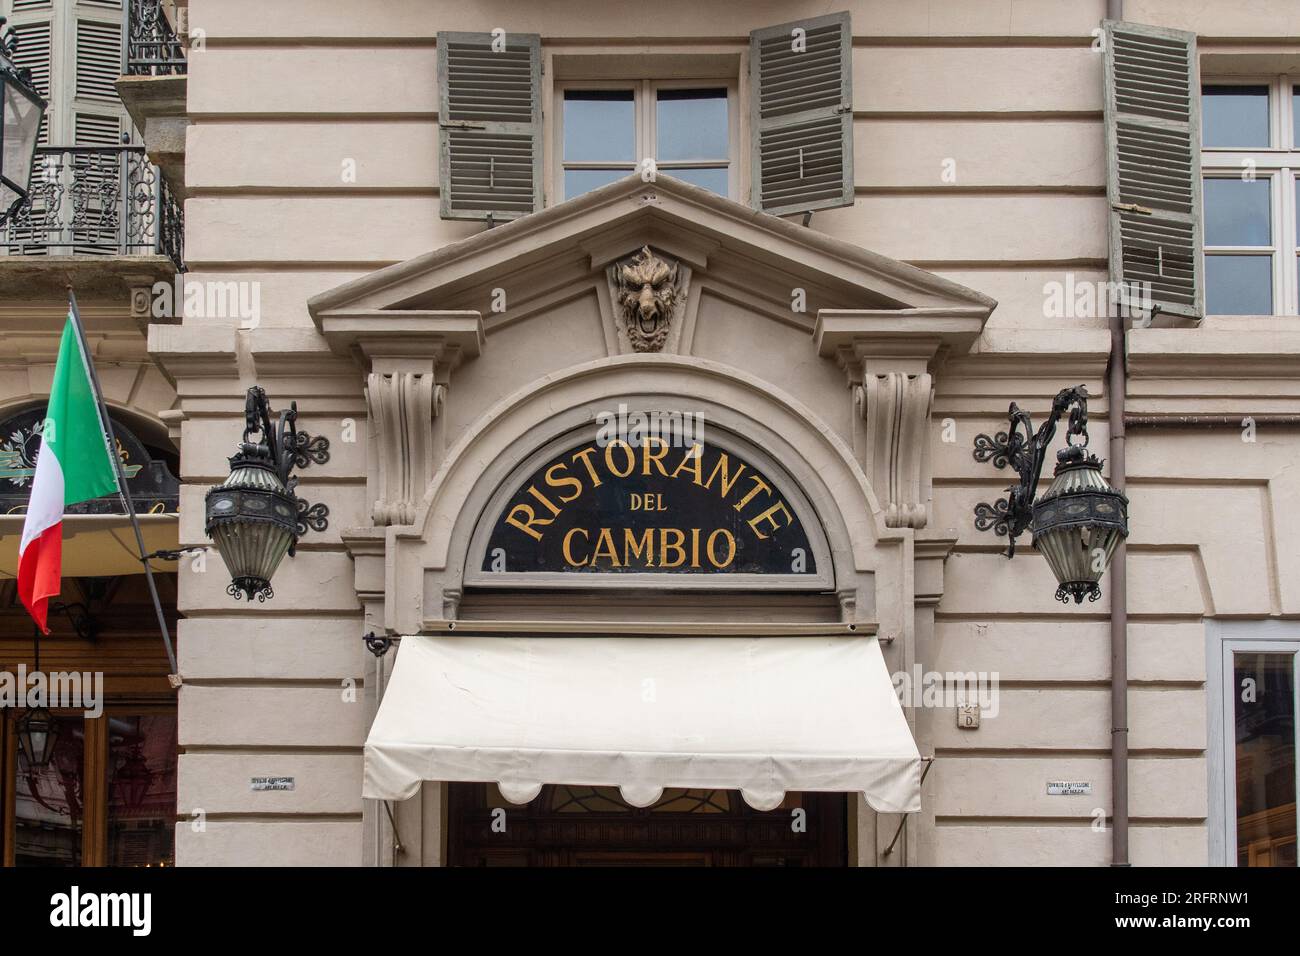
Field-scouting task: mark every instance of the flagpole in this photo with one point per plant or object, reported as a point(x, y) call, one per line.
point(173, 676)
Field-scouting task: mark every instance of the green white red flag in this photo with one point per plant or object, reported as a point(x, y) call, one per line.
point(73, 465)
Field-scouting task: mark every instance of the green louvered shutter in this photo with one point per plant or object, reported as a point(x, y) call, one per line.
point(1153, 163)
point(489, 125)
point(801, 115)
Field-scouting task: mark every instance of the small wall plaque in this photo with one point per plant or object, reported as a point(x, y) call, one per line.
point(270, 783)
point(1068, 788)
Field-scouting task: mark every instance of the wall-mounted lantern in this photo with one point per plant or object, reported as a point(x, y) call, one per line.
point(1078, 522)
point(23, 111)
point(253, 517)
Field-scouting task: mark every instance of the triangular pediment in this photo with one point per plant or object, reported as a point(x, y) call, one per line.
point(764, 257)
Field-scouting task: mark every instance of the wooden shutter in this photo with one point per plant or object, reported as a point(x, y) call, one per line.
point(802, 115)
point(1153, 165)
point(489, 125)
point(99, 59)
point(34, 53)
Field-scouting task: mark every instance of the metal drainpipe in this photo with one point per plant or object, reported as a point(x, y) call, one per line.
point(1118, 608)
point(1115, 387)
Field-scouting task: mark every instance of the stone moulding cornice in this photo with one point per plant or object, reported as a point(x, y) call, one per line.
point(857, 335)
point(930, 550)
point(366, 334)
point(1213, 353)
point(192, 351)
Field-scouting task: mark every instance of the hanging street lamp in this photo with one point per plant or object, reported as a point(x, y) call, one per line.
point(37, 734)
point(37, 731)
point(1078, 522)
point(23, 110)
point(253, 517)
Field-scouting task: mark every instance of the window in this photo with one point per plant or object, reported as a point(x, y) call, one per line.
point(1253, 742)
point(106, 798)
point(1250, 159)
point(606, 129)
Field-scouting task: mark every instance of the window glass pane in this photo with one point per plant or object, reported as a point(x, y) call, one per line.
point(1295, 115)
point(599, 125)
point(48, 801)
point(1237, 213)
point(691, 124)
point(1264, 727)
point(579, 181)
point(142, 790)
point(1234, 115)
point(1239, 285)
point(711, 178)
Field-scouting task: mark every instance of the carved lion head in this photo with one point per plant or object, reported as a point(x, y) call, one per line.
point(647, 295)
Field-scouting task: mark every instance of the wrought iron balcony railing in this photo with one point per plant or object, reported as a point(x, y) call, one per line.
point(152, 47)
point(96, 200)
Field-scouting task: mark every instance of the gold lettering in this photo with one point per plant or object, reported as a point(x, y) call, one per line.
point(584, 456)
point(759, 485)
point(731, 548)
point(552, 508)
point(665, 547)
point(561, 482)
point(649, 456)
point(605, 548)
point(632, 548)
point(695, 547)
point(568, 554)
point(530, 519)
point(768, 516)
point(724, 466)
point(691, 462)
point(609, 458)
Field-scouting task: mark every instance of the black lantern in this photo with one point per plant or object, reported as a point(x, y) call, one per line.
point(1080, 519)
point(133, 778)
point(37, 733)
point(253, 517)
point(23, 111)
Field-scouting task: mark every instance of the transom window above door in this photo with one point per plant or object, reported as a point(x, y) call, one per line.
point(1250, 159)
point(606, 130)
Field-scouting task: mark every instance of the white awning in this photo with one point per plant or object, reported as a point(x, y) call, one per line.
point(762, 715)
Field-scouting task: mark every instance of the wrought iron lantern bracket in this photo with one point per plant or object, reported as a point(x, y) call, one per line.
point(1024, 450)
point(255, 517)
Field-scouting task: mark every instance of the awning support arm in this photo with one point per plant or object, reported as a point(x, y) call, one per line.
point(929, 762)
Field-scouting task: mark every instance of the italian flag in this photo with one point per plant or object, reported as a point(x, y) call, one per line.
point(73, 465)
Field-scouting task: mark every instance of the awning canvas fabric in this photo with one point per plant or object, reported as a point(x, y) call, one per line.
point(762, 715)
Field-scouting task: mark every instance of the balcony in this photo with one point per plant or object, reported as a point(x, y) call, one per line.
point(152, 45)
point(97, 201)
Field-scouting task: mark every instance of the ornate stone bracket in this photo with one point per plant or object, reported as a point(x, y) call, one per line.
point(896, 408)
point(408, 357)
point(888, 356)
point(402, 407)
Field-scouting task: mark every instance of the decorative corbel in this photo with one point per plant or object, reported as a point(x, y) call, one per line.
point(888, 356)
point(896, 407)
point(402, 406)
point(408, 357)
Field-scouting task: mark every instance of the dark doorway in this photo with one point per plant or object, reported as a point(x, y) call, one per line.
point(592, 826)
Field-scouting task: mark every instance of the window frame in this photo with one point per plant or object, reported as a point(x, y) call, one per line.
point(1223, 640)
point(1279, 163)
point(645, 99)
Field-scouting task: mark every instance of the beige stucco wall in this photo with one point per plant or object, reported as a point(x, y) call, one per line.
point(282, 95)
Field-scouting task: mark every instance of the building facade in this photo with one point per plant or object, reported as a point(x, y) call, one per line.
point(468, 239)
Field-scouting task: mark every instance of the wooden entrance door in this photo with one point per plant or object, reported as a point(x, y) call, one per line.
point(593, 826)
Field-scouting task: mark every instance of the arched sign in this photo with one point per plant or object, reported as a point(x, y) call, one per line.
point(707, 511)
point(153, 488)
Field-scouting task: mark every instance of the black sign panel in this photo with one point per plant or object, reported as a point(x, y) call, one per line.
point(649, 508)
point(153, 488)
